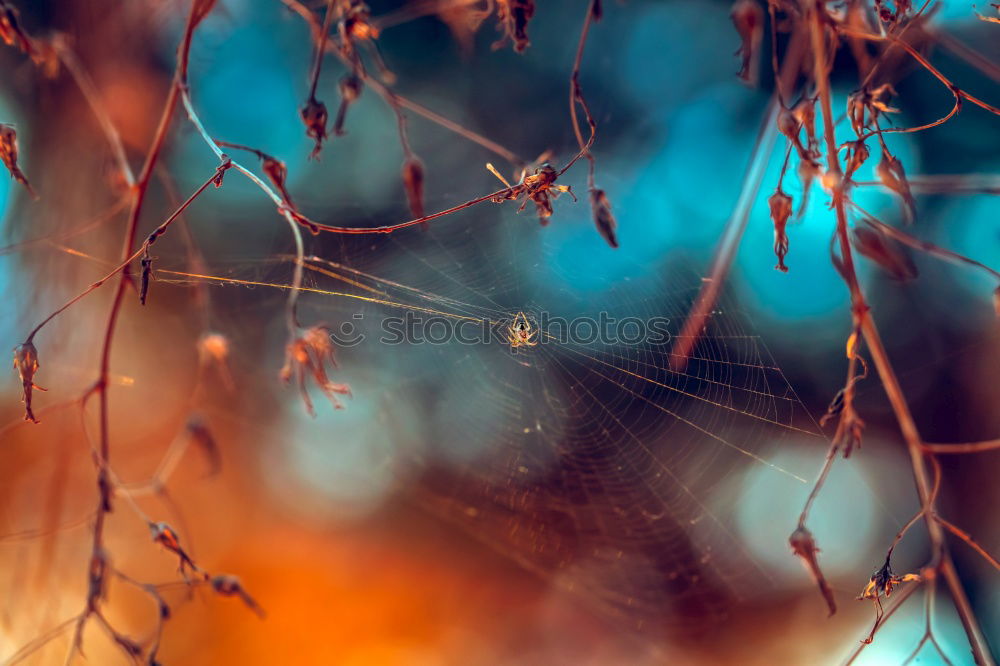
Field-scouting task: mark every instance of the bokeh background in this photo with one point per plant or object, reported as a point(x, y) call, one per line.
point(578, 505)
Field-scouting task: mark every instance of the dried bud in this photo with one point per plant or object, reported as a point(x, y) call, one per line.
point(886, 252)
point(413, 183)
point(8, 154)
point(781, 210)
point(97, 578)
point(604, 219)
point(308, 355)
point(890, 172)
point(808, 171)
point(748, 18)
point(26, 364)
point(230, 586)
point(350, 90)
point(314, 116)
point(804, 547)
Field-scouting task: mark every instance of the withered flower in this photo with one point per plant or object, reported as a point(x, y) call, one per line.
point(512, 20)
point(350, 89)
point(604, 219)
point(804, 547)
point(857, 155)
point(8, 154)
point(26, 364)
point(781, 210)
point(881, 584)
point(413, 183)
point(748, 19)
point(230, 586)
point(885, 252)
point(308, 355)
point(314, 116)
point(891, 173)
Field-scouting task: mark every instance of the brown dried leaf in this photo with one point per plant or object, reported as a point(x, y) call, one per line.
point(804, 547)
point(884, 251)
point(748, 19)
point(604, 219)
point(891, 173)
point(413, 183)
point(26, 364)
point(781, 209)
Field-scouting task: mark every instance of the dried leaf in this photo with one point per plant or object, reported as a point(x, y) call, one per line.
point(804, 547)
point(26, 364)
point(781, 209)
point(604, 219)
point(8, 154)
point(413, 183)
point(748, 19)
point(886, 252)
point(891, 173)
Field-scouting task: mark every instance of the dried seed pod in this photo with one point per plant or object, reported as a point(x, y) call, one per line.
point(8, 154)
point(884, 251)
point(413, 183)
point(604, 219)
point(748, 19)
point(891, 173)
point(314, 116)
point(804, 547)
point(229, 586)
point(26, 364)
point(781, 209)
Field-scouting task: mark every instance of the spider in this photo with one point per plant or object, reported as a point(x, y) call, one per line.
point(539, 187)
point(520, 333)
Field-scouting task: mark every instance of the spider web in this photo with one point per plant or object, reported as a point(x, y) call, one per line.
point(593, 464)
